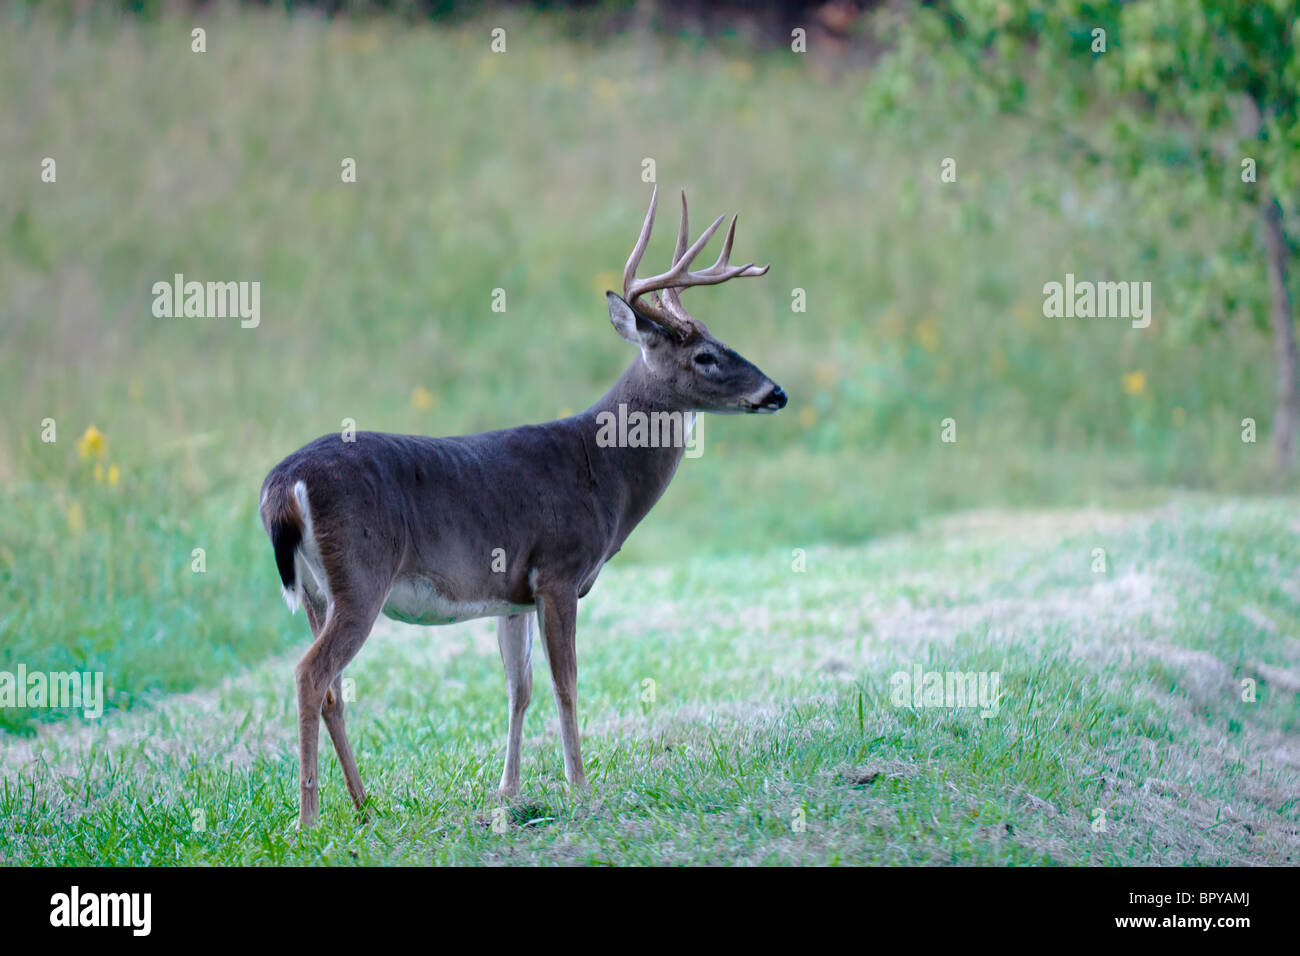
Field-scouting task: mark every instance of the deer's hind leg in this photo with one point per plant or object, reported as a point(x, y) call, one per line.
point(332, 711)
point(339, 634)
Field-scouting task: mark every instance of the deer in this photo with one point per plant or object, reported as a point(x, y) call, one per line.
point(514, 524)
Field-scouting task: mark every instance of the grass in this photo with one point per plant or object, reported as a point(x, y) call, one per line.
point(523, 172)
point(1120, 702)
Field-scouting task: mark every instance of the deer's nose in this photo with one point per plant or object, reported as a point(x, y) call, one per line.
point(775, 399)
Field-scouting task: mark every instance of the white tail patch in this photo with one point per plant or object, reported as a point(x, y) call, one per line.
point(293, 596)
point(308, 568)
point(300, 495)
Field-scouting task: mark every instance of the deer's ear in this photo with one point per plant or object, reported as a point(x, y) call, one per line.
point(635, 328)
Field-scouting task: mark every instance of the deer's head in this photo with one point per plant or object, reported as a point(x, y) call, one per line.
point(686, 361)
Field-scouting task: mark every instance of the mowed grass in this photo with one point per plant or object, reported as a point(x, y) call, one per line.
point(1121, 735)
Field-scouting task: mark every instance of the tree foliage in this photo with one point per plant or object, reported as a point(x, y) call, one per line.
point(1193, 109)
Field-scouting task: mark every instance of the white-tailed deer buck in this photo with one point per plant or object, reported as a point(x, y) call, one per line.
point(501, 524)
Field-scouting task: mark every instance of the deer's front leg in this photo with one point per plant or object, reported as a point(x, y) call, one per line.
point(515, 639)
point(558, 616)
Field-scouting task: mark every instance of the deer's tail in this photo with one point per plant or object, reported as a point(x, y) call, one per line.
point(285, 515)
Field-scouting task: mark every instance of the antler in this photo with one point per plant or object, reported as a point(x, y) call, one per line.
point(666, 308)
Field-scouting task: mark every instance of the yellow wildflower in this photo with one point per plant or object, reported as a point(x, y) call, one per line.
point(422, 398)
point(92, 442)
point(1135, 383)
point(113, 475)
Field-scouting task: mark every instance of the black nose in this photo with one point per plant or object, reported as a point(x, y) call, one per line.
point(776, 398)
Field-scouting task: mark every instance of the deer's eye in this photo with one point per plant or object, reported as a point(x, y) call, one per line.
point(705, 358)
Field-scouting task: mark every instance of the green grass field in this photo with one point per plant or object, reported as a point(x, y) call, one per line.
point(523, 172)
point(1120, 735)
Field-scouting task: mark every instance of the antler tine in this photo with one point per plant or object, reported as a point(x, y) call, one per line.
point(724, 257)
point(669, 298)
point(643, 240)
point(682, 261)
point(682, 232)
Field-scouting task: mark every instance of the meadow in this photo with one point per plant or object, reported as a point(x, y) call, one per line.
point(523, 172)
point(736, 712)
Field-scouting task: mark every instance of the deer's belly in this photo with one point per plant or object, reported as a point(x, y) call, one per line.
point(417, 601)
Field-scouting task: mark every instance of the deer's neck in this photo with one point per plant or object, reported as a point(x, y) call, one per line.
point(631, 478)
